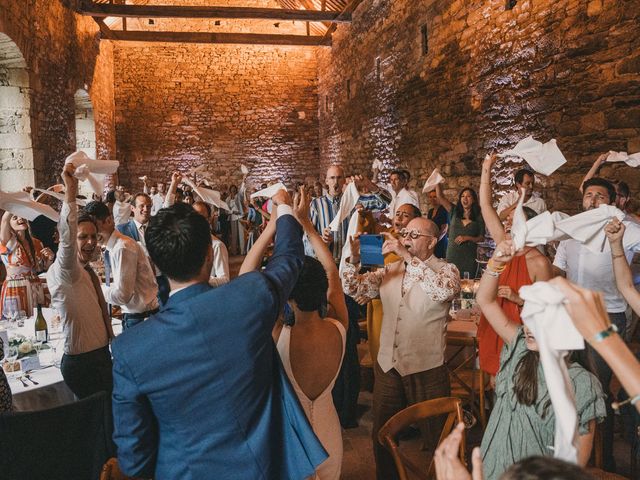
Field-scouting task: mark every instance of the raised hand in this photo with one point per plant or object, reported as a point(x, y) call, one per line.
point(301, 206)
point(504, 252)
point(615, 231)
point(354, 243)
point(282, 197)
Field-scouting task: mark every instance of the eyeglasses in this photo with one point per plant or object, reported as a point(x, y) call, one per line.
point(412, 233)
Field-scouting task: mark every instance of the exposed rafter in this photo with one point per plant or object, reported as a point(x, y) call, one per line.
point(208, 37)
point(168, 11)
point(350, 7)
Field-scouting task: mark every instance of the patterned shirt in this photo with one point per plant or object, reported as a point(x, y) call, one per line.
point(441, 286)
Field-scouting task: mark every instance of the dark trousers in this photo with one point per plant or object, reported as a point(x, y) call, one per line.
point(347, 387)
point(604, 374)
point(132, 319)
point(88, 373)
point(393, 392)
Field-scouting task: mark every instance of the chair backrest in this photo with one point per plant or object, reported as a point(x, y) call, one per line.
point(71, 441)
point(413, 414)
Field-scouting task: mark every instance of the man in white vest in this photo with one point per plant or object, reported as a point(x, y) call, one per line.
point(416, 292)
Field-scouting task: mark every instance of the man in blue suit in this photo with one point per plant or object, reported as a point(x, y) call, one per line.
point(198, 389)
point(135, 228)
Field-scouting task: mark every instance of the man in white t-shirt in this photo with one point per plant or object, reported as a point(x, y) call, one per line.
point(524, 179)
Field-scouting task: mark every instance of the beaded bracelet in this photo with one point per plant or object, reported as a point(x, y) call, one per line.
point(491, 272)
point(600, 336)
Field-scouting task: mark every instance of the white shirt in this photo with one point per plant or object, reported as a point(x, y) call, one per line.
point(220, 268)
point(72, 292)
point(157, 202)
point(134, 285)
point(535, 203)
point(594, 270)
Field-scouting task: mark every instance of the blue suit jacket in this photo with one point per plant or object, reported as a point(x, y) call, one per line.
point(129, 229)
point(198, 388)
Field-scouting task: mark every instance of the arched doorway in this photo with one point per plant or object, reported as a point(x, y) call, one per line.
point(16, 150)
point(85, 130)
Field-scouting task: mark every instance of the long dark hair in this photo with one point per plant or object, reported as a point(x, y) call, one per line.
point(475, 207)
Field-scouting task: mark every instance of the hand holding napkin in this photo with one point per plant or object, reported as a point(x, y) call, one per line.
point(208, 196)
point(632, 160)
point(269, 191)
point(347, 203)
point(545, 315)
point(434, 179)
point(92, 171)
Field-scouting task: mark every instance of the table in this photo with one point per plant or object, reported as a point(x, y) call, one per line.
point(51, 390)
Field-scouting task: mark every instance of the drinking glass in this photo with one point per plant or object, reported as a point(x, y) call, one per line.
point(11, 355)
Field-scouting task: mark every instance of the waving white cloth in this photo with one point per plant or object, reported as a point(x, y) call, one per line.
point(377, 165)
point(632, 160)
point(347, 203)
point(543, 158)
point(588, 227)
point(92, 171)
point(545, 315)
point(60, 196)
point(538, 230)
point(195, 170)
point(22, 205)
point(346, 248)
point(121, 212)
point(208, 196)
point(244, 169)
point(434, 179)
point(269, 191)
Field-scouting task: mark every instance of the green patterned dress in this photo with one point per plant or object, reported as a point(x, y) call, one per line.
point(464, 255)
point(517, 431)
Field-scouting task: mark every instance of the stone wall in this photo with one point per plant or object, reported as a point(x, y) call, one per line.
point(564, 69)
point(62, 53)
point(182, 105)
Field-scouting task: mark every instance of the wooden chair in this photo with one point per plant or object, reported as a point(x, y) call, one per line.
point(415, 413)
point(467, 381)
point(111, 471)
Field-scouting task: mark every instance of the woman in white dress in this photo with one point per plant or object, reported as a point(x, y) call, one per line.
point(312, 349)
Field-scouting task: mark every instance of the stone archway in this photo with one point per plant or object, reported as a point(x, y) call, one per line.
point(16, 149)
point(85, 129)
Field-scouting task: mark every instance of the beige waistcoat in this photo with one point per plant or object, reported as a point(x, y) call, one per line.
point(413, 333)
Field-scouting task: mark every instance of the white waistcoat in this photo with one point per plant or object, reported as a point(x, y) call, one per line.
point(413, 333)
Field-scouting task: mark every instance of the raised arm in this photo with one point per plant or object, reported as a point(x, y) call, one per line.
point(589, 315)
point(489, 214)
point(5, 228)
point(487, 293)
point(66, 263)
point(594, 169)
point(170, 197)
point(335, 296)
point(444, 201)
point(624, 279)
point(254, 257)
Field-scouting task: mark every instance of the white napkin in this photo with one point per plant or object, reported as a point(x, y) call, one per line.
point(195, 170)
point(269, 191)
point(244, 169)
point(377, 165)
point(92, 171)
point(434, 179)
point(22, 205)
point(632, 160)
point(588, 227)
point(143, 178)
point(347, 203)
point(212, 197)
point(346, 248)
point(545, 315)
point(543, 158)
point(121, 212)
point(60, 196)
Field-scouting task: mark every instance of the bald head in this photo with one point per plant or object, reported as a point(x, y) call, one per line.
point(424, 225)
point(425, 242)
point(335, 180)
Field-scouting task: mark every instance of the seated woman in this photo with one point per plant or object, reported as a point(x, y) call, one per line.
point(24, 257)
point(527, 267)
point(466, 229)
point(313, 348)
point(522, 423)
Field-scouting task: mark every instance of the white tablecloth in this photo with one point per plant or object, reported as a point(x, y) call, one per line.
point(51, 390)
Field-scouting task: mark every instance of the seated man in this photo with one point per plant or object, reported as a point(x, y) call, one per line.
point(198, 389)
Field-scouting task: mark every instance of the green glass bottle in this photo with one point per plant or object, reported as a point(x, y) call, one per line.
point(42, 331)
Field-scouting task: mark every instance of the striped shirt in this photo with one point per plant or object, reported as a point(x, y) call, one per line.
point(322, 211)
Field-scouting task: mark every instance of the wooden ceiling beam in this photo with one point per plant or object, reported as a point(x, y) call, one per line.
point(349, 7)
point(166, 11)
point(210, 37)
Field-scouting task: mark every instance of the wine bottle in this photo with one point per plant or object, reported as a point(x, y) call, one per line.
point(42, 331)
